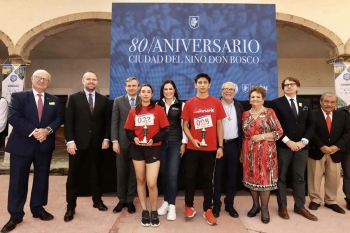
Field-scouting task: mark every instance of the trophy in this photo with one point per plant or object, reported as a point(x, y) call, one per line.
point(145, 129)
point(203, 143)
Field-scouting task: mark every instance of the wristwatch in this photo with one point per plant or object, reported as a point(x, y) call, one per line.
point(221, 147)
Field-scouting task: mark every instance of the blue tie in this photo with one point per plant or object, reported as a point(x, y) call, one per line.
point(132, 102)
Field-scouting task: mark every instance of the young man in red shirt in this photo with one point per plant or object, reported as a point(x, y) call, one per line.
point(202, 118)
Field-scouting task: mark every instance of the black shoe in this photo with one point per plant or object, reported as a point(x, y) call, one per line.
point(11, 224)
point(216, 211)
point(265, 219)
point(154, 219)
point(69, 214)
point(313, 206)
point(100, 206)
point(131, 207)
point(253, 213)
point(43, 215)
point(232, 212)
point(119, 207)
point(335, 208)
point(145, 220)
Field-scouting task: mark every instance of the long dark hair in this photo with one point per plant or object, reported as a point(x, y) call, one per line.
point(139, 104)
point(161, 94)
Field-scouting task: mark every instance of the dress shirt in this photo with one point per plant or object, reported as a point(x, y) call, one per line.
point(230, 127)
point(3, 113)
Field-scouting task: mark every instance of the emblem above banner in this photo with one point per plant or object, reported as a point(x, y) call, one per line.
point(155, 42)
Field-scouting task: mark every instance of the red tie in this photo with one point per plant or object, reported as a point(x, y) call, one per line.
point(40, 107)
point(329, 122)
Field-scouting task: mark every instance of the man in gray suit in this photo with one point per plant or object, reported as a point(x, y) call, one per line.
point(126, 178)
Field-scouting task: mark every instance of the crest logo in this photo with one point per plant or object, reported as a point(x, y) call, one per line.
point(245, 88)
point(13, 78)
point(346, 77)
point(193, 21)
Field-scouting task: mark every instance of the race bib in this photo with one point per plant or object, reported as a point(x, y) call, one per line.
point(144, 119)
point(203, 122)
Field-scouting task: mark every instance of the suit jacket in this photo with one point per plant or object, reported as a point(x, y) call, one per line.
point(81, 126)
point(295, 128)
point(23, 116)
point(239, 112)
point(339, 135)
point(120, 111)
point(346, 109)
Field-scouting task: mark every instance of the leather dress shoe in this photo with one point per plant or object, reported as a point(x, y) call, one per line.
point(119, 207)
point(266, 220)
point(69, 214)
point(131, 207)
point(232, 212)
point(216, 211)
point(305, 213)
point(100, 206)
point(348, 205)
point(283, 212)
point(44, 215)
point(313, 206)
point(11, 224)
point(253, 213)
point(335, 208)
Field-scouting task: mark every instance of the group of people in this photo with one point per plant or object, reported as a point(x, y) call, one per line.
point(149, 137)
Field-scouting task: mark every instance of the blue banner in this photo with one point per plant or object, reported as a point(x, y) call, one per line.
point(159, 41)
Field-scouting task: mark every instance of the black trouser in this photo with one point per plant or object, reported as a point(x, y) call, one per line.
point(206, 161)
point(92, 156)
point(345, 163)
point(126, 178)
point(230, 160)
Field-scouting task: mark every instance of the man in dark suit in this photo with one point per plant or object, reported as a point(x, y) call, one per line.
point(35, 115)
point(345, 163)
point(126, 178)
point(87, 130)
point(232, 145)
point(332, 132)
point(295, 116)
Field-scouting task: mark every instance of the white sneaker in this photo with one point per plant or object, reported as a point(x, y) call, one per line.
point(171, 213)
point(163, 209)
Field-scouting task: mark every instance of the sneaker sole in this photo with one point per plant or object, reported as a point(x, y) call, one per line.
point(211, 224)
point(162, 213)
point(145, 225)
point(154, 225)
point(190, 217)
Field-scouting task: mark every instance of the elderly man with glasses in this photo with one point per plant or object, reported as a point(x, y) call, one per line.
point(35, 115)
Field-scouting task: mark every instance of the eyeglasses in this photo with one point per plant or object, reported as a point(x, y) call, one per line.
point(289, 85)
point(228, 89)
point(45, 80)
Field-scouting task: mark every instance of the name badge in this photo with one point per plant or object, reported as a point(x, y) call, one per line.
point(144, 119)
point(51, 103)
point(203, 122)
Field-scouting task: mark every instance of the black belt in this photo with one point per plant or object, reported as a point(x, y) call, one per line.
point(230, 140)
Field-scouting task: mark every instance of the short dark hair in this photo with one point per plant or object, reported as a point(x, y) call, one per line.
point(202, 75)
point(297, 82)
point(259, 90)
point(131, 79)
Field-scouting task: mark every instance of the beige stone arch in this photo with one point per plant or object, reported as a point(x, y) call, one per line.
point(34, 36)
point(7, 41)
point(330, 39)
point(347, 48)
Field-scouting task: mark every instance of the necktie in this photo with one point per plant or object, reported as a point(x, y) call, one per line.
point(294, 110)
point(329, 123)
point(132, 102)
point(40, 107)
point(91, 103)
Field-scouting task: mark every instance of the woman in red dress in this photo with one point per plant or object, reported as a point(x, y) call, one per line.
point(261, 129)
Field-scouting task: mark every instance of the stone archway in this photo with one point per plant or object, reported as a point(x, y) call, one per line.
point(329, 38)
point(34, 36)
point(8, 42)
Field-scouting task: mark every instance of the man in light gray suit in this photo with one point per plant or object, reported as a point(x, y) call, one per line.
point(126, 178)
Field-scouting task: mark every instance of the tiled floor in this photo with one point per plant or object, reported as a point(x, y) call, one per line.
point(90, 220)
